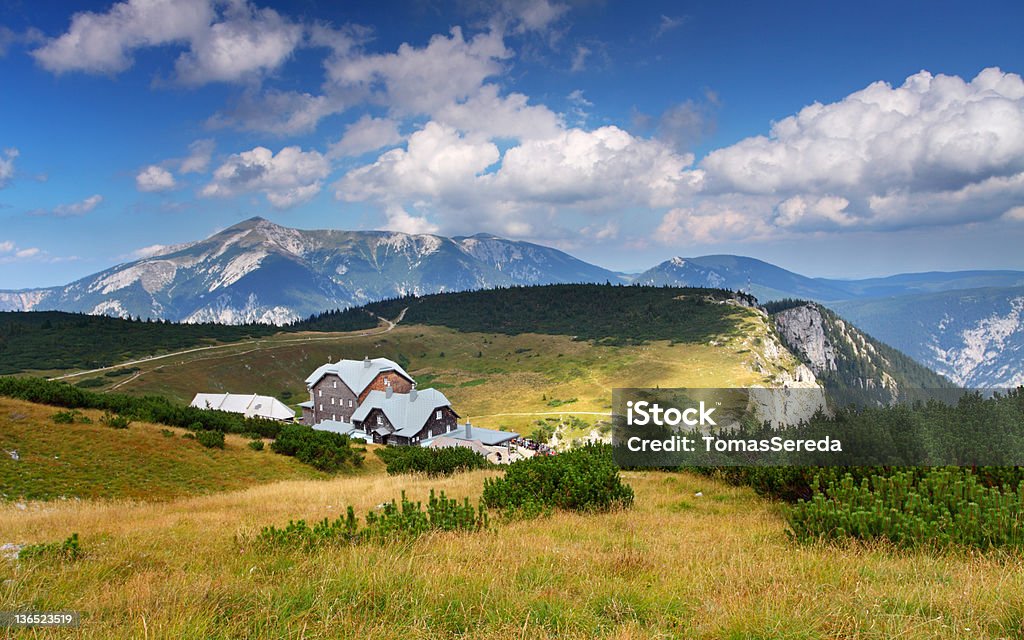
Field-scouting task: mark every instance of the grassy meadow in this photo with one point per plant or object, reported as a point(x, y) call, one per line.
point(143, 462)
point(489, 378)
point(676, 565)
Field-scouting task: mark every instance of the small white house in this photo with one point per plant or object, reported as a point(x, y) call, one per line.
point(251, 406)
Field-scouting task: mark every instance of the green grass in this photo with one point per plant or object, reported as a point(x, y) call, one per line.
point(141, 462)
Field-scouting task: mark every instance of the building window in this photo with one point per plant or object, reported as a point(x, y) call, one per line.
point(380, 420)
point(350, 404)
point(320, 393)
point(437, 416)
point(387, 382)
point(321, 406)
point(335, 384)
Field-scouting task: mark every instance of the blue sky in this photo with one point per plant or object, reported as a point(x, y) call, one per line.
point(835, 139)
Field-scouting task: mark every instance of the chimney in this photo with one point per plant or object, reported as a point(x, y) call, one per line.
point(366, 362)
point(388, 391)
point(412, 394)
point(469, 431)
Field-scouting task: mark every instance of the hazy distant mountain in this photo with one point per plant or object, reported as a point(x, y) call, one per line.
point(765, 281)
point(974, 337)
point(257, 271)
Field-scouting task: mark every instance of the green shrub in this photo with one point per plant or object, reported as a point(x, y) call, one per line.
point(65, 417)
point(256, 445)
point(90, 383)
point(67, 550)
point(584, 479)
point(433, 462)
point(167, 433)
point(142, 408)
point(326, 451)
point(210, 439)
point(393, 521)
point(940, 507)
point(115, 421)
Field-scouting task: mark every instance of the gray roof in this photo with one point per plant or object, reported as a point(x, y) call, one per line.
point(308, 404)
point(344, 428)
point(488, 437)
point(357, 374)
point(407, 412)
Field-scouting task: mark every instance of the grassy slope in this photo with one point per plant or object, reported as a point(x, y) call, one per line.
point(716, 566)
point(95, 461)
point(482, 374)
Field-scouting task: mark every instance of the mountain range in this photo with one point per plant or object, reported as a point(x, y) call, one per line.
point(967, 325)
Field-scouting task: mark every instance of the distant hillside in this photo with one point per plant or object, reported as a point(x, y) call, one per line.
point(843, 357)
point(975, 337)
point(609, 314)
point(761, 279)
point(56, 340)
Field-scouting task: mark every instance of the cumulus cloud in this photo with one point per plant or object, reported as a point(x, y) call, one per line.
point(224, 41)
point(469, 184)
point(364, 135)
point(7, 166)
point(415, 81)
point(935, 150)
point(288, 178)
point(154, 178)
point(71, 210)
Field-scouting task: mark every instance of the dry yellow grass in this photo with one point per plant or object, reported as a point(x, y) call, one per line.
point(674, 566)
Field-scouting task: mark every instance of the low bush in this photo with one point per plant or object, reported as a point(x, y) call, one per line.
point(938, 507)
point(393, 521)
point(167, 433)
point(433, 462)
point(256, 445)
point(115, 421)
point(67, 550)
point(583, 479)
point(210, 439)
point(323, 450)
point(64, 417)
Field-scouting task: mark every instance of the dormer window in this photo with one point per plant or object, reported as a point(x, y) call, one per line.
point(380, 420)
point(437, 416)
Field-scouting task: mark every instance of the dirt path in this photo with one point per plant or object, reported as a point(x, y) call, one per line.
point(391, 324)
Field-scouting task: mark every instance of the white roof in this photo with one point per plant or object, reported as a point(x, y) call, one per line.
point(251, 405)
point(357, 374)
point(407, 412)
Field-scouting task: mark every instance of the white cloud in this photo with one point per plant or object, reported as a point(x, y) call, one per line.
point(225, 41)
point(10, 252)
point(466, 181)
point(364, 135)
point(398, 219)
point(247, 42)
point(79, 208)
point(200, 154)
point(668, 23)
point(147, 252)
point(437, 163)
point(934, 150)
point(290, 177)
point(579, 58)
point(103, 42)
point(278, 112)
point(416, 81)
point(489, 114)
point(154, 178)
point(7, 166)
